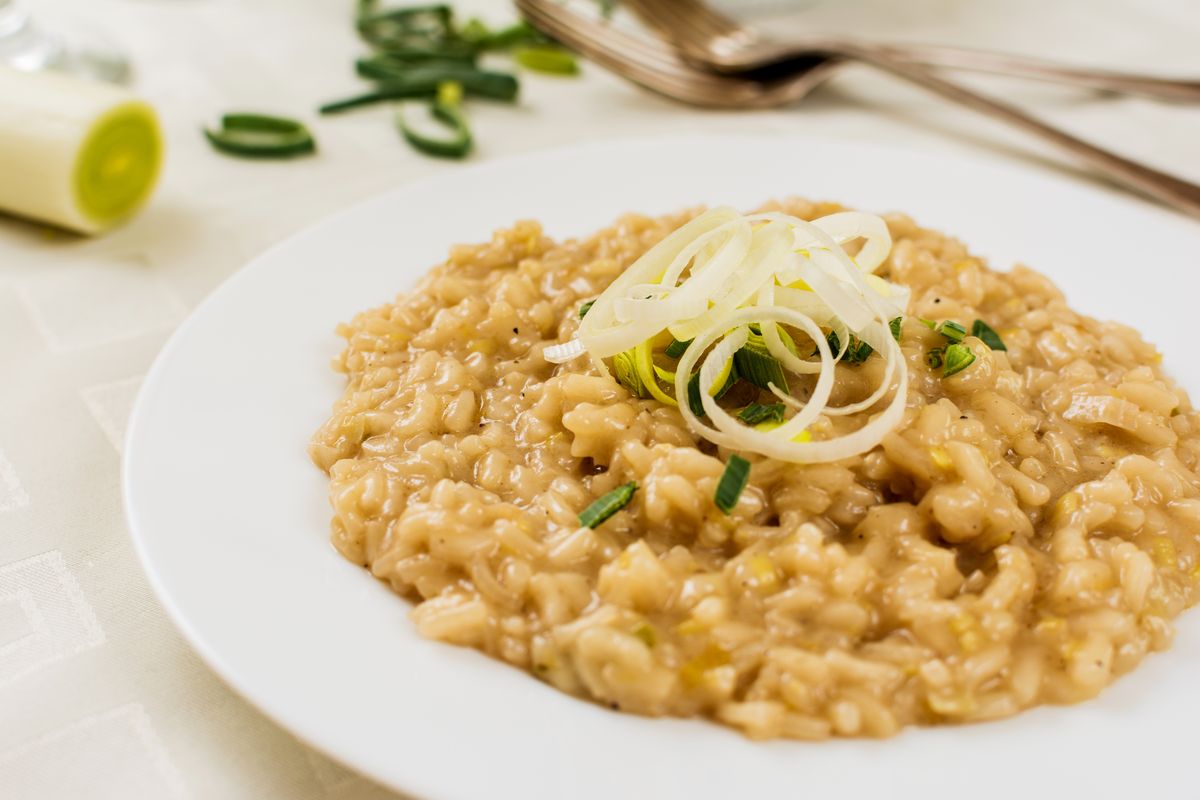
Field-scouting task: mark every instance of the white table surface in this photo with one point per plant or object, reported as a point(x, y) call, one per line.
point(99, 696)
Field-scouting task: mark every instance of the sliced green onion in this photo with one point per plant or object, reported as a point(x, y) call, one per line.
point(733, 482)
point(935, 357)
point(586, 307)
point(755, 363)
point(626, 372)
point(550, 60)
point(261, 136)
point(895, 326)
point(951, 330)
point(928, 323)
point(423, 81)
point(857, 351)
point(756, 413)
point(393, 68)
point(446, 109)
point(607, 505)
point(982, 331)
point(958, 358)
point(676, 348)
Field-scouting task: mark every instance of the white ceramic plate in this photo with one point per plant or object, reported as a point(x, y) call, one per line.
point(231, 519)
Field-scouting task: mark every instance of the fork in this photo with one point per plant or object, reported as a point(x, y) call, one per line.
point(711, 40)
point(655, 65)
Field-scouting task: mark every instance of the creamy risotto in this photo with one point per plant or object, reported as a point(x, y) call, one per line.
point(1023, 535)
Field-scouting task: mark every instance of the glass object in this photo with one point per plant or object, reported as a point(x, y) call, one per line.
point(27, 46)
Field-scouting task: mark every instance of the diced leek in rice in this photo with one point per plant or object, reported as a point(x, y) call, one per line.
point(715, 277)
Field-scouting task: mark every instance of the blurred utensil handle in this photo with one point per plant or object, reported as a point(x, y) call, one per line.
point(1166, 188)
point(1027, 67)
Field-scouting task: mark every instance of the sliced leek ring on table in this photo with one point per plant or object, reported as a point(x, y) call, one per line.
point(74, 153)
point(724, 285)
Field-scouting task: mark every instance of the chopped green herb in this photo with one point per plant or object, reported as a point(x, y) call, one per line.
point(982, 331)
point(607, 505)
point(423, 81)
point(958, 358)
point(928, 323)
point(261, 136)
point(550, 60)
point(952, 330)
point(755, 363)
point(625, 370)
point(935, 357)
point(857, 351)
point(447, 110)
point(895, 326)
point(756, 413)
point(676, 348)
point(733, 482)
point(586, 307)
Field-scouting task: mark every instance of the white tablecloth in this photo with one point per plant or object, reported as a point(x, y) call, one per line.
point(99, 695)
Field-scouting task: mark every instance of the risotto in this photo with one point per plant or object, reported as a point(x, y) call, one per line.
point(1023, 535)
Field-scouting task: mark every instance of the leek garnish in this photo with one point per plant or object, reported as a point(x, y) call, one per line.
point(732, 484)
point(756, 364)
point(447, 110)
point(626, 371)
point(675, 348)
point(935, 357)
point(958, 358)
point(725, 286)
point(261, 136)
point(644, 363)
point(757, 413)
point(607, 505)
point(951, 330)
point(982, 331)
point(586, 307)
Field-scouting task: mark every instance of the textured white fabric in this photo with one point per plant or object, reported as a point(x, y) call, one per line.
point(99, 696)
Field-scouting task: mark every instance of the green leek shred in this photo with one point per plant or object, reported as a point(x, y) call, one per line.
point(732, 484)
point(607, 505)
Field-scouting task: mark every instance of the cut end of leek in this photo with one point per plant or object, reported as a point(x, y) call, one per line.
point(118, 164)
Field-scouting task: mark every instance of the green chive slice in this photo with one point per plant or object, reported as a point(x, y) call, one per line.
point(733, 482)
point(935, 357)
point(606, 505)
point(447, 110)
point(677, 348)
point(755, 413)
point(895, 326)
point(755, 363)
point(951, 330)
point(958, 358)
point(984, 332)
point(261, 136)
point(586, 307)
